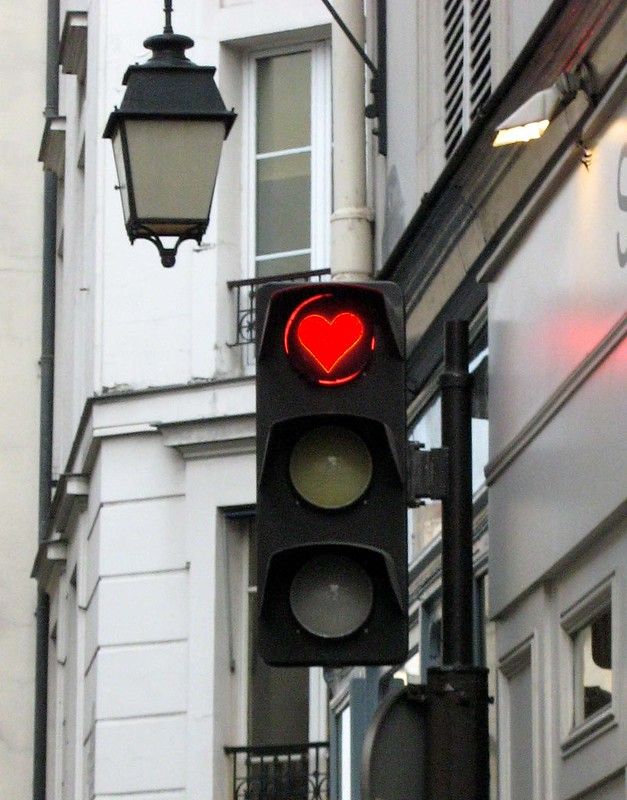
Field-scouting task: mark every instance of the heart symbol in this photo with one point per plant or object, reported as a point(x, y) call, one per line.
point(329, 341)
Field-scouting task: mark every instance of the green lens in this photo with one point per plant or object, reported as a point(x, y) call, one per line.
point(330, 467)
point(331, 596)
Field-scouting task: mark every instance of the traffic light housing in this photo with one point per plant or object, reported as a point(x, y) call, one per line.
point(331, 462)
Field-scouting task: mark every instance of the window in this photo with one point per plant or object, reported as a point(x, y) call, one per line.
point(468, 75)
point(409, 673)
point(431, 629)
point(587, 667)
point(431, 635)
point(290, 164)
point(344, 731)
point(516, 679)
point(521, 733)
point(592, 666)
point(278, 697)
point(273, 703)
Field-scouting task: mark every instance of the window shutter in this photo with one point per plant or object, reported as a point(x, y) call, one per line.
point(480, 67)
point(453, 73)
point(467, 68)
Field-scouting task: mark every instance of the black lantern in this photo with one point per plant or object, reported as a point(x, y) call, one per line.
point(167, 138)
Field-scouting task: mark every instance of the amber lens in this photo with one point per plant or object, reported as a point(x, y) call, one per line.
point(330, 467)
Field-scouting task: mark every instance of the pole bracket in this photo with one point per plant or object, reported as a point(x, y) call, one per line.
point(428, 473)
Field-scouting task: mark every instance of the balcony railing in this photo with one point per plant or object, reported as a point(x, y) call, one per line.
point(284, 772)
point(245, 298)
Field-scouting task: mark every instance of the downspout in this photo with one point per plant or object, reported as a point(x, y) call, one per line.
point(46, 408)
point(351, 229)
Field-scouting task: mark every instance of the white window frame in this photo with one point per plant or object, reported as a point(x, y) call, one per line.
point(320, 148)
point(523, 656)
point(572, 620)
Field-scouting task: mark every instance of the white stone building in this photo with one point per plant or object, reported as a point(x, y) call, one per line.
point(22, 101)
point(147, 561)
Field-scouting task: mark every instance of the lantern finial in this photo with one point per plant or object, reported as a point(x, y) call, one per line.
point(168, 17)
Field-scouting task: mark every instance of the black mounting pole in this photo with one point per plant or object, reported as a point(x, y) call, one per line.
point(457, 754)
point(457, 576)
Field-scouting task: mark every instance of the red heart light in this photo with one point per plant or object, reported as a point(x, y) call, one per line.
point(330, 340)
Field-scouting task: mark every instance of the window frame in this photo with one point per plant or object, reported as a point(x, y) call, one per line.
point(523, 656)
point(320, 150)
point(575, 735)
point(239, 556)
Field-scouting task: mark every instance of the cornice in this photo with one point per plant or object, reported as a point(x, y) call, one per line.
point(69, 500)
point(73, 44)
point(211, 438)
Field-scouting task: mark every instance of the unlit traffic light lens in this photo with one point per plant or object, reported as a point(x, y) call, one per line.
point(331, 596)
point(330, 467)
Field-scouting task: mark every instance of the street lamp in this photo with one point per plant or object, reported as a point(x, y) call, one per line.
point(167, 138)
point(533, 117)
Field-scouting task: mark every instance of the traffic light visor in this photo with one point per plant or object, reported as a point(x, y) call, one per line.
point(330, 467)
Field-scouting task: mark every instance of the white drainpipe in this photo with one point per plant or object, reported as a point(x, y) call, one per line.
point(351, 230)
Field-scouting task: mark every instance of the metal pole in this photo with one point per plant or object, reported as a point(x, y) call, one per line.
point(457, 743)
point(457, 573)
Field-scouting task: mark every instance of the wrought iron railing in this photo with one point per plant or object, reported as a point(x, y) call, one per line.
point(245, 299)
point(282, 772)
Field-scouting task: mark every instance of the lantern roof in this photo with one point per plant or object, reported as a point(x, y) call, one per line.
point(169, 85)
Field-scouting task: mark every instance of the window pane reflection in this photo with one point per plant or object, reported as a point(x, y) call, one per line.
point(593, 666)
point(283, 203)
point(283, 102)
point(267, 267)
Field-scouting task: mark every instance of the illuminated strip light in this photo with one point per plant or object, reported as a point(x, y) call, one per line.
point(521, 133)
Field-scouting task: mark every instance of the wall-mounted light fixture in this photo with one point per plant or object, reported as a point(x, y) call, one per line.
point(531, 120)
point(167, 139)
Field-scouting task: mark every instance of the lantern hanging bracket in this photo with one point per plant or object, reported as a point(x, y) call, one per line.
point(378, 85)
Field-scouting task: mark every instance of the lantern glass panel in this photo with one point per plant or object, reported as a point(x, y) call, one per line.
point(174, 164)
point(118, 155)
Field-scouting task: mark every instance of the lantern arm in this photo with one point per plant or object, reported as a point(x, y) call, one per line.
point(168, 254)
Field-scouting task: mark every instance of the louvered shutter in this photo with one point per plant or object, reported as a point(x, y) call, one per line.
point(467, 69)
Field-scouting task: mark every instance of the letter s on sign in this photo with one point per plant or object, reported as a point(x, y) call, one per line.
point(622, 204)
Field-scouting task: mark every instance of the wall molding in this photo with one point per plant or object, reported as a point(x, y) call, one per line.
point(497, 466)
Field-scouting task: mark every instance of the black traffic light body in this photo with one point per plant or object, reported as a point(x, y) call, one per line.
point(331, 463)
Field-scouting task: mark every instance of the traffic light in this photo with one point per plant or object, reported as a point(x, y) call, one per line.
point(331, 461)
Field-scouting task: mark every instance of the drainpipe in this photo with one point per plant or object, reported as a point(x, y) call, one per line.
point(351, 230)
point(46, 408)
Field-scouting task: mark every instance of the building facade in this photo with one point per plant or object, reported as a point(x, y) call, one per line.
point(527, 244)
point(21, 210)
point(154, 688)
point(148, 558)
